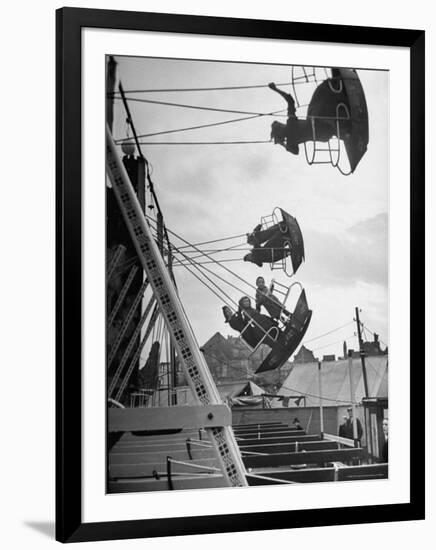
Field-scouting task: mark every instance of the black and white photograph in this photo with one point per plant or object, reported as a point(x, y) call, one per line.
point(247, 274)
point(218, 266)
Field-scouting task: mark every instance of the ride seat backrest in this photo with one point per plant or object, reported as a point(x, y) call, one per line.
point(301, 310)
point(243, 330)
point(267, 221)
point(268, 334)
point(272, 333)
point(279, 291)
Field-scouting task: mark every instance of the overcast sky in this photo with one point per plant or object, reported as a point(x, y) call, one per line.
point(214, 191)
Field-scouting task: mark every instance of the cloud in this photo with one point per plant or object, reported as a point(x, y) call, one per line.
point(357, 255)
point(254, 167)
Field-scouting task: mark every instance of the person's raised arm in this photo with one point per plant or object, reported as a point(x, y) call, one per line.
point(286, 96)
point(228, 313)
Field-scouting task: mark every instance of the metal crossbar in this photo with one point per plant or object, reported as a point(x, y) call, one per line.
point(137, 355)
point(129, 347)
point(126, 322)
point(275, 480)
point(114, 262)
point(122, 295)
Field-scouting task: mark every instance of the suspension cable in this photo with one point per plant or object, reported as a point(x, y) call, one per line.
point(228, 249)
point(218, 276)
point(201, 108)
point(206, 285)
point(210, 258)
point(225, 294)
point(193, 264)
point(221, 265)
point(218, 88)
point(214, 241)
point(179, 263)
point(118, 141)
point(245, 142)
point(234, 248)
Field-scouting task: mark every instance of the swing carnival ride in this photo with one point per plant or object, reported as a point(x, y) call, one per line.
point(165, 302)
point(326, 113)
point(161, 326)
point(335, 119)
point(147, 326)
point(278, 243)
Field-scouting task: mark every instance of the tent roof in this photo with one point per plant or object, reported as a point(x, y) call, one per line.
point(234, 389)
point(255, 389)
point(336, 380)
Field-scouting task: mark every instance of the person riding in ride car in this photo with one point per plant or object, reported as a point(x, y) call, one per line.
point(274, 241)
point(252, 325)
point(297, 130)
point(266, 298)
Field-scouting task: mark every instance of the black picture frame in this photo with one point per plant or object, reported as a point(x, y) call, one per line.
point(69, 23)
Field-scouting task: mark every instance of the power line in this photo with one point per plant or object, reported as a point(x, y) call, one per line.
point(373, 333)
point(217, 88)
point(201, 108)
point(316, 396)
point(329, 332)
point(251, 375)
point(334, 343)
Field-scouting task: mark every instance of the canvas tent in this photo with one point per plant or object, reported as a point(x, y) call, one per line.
point(235, 393)
point(303, 379)
point(239, 394)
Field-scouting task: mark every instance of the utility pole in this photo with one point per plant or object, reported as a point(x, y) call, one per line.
point(362, 353)
point(321, 411)
point(352, 398)
point(111, 75)
point(173, 361)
